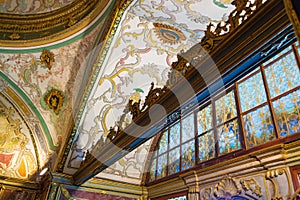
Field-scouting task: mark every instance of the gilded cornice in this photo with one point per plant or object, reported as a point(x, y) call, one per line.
point(38, 29)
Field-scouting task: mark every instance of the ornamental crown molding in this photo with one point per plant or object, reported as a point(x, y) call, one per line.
point(43, 28)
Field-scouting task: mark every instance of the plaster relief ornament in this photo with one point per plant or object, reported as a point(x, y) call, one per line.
point(54, 100)
point(168, 34)
point(47, 58)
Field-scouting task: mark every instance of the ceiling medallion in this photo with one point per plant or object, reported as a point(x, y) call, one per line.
point(47, 58)
point(54, 100)
point(168, 34)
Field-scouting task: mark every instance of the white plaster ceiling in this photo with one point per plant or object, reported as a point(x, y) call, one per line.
point(149, 36)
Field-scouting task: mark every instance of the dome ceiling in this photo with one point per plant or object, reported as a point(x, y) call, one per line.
point(145, 43)
point(32, 6)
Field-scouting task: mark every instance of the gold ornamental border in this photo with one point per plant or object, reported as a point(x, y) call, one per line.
point(38, 29)
point(293, 17)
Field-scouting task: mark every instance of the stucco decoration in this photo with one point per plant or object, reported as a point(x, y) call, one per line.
point(33, 76)
point(148, 39)
point(18, 158)
point(31, 6)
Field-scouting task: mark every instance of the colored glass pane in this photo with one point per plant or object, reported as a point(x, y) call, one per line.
point(252, 92)
point(204, 119)
point(228, 137)
point(225, 108)
point(283, 75)
point(161, 166)
point(152, 170)
point(188, 128)
point(258, 126)
point(206, 146)
point(188, 155)
point(287, 112)
point(163, 143)
point(174, 161)
point(175, 135)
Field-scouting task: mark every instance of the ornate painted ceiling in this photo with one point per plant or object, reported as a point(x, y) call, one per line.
point(147, 40)
point(31, 6)
point(54, 70)
point(41, 74)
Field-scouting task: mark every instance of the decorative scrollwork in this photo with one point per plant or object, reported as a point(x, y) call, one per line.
point(244, 8)
point(179, 69)
point(251, 185)
point(153, 96)
point(271, 175)
point(296, 195)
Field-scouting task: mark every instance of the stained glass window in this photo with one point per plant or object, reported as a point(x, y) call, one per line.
point(161, 166)
point(175, 135)
point(252, 92)
point(163, 143)
point(174, 161)
point(229, 137)
point(204, 119)
point(225, 108)
point(188, 155)
point(287, 112)
point(240, 118)
point(206, 146)
point(283, 75)
point(258, 126)
point(152, 170)
point(188, 126)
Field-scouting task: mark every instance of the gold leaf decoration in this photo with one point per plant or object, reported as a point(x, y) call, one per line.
point(47, 58)
point(252, 185)
point(54, 100)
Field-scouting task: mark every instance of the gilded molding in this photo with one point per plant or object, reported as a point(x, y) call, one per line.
point(293, 17)
point(271, 175)
point(38, 29)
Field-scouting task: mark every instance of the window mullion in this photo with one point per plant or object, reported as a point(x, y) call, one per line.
point(197, 160)
point(217, 153)
point(269, 101)
point(240, 118)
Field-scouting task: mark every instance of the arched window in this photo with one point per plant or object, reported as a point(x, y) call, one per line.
point(263, 106)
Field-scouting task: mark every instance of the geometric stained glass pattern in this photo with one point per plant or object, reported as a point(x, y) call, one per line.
point(188, 155)
point(174, 161)
point(228, 137)
point(287, 112)
point(225, 108)
point(175, 135)
point(283, 75)
point(163, 143)
point(252, 92)
point(188, 126)
point(204, 119)
point(258, 126)
point(206, 146)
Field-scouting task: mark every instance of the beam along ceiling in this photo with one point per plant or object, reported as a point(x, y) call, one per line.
point(145, 43)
